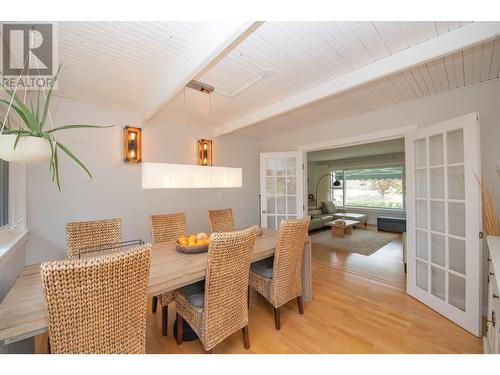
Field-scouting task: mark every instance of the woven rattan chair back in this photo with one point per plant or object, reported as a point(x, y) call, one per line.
point(167, 227)
point(98, 305)
point(88, 236)
point(226, 284)
point(287, 268)
point(221, 220)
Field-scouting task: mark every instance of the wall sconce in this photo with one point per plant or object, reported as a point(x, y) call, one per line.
point(132, 150)
point(204, 152)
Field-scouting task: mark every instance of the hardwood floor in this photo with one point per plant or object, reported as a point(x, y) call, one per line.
point(348, 314)
point(385, 265)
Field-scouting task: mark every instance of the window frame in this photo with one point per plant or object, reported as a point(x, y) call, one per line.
point(9, 219)
point(374, 208)
point(17, 203)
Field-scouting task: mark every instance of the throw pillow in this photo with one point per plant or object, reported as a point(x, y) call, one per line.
point(329, 207)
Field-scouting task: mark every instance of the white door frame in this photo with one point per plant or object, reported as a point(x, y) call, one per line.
point(383, 135)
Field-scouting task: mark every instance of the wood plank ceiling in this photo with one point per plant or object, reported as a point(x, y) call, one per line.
point(302, 55)
point(466, 68)
point(119, 63)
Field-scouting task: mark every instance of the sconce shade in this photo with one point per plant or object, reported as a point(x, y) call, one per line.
point(205, 152)
point(185, 176)
point(132, 146)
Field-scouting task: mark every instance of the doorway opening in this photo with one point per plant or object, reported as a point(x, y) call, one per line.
point(356, 200)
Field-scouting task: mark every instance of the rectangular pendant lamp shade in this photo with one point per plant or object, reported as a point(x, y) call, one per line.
point(186, 176)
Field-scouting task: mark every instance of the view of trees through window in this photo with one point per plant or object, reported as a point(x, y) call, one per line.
point(369, 187)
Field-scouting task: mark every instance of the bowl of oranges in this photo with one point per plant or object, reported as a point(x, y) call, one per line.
point(193, 244)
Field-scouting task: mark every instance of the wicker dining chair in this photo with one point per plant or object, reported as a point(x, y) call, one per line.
point(279, 280)
point(166, 228)
point(221, 220)
point(84, 237)
point(98, 305)
point(217, 307)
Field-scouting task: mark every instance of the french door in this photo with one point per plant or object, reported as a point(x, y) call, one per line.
point(444, 219)
point(281, 187)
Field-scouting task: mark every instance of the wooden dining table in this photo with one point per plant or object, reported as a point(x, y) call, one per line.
point(23, 311)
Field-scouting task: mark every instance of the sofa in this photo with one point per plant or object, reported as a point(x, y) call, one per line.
point(329, 212)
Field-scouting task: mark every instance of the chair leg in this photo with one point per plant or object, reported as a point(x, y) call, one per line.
point(164, 320)
point(300, 305)
point(246, 338)
point(49, 351)
point(180, 323)
point(277, 320)
point(154, 303)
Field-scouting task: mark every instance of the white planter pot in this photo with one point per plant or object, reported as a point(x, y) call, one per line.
point(30, 150)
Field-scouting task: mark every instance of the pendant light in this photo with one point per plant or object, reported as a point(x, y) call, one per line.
point(191, 176)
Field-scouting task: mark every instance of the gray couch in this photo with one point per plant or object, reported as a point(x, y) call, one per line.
point(328, 212)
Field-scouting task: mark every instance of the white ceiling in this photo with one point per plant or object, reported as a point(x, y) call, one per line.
point(392, 146)
point(123, 63)
point(305, 54)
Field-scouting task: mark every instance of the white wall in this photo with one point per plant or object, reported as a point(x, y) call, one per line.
point(116, 187)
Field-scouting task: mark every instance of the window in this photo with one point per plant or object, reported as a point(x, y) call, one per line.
point(368, 187)
point(4, 193)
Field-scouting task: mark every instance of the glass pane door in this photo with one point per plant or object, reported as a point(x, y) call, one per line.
point(281, 187)
point(444, 220)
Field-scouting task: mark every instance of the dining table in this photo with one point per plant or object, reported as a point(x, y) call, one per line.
point(23, 311)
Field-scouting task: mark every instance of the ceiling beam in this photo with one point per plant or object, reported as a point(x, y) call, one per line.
point(463, 37)
point(220, 38)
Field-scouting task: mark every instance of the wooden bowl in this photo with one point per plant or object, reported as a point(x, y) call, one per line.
point(191, 249)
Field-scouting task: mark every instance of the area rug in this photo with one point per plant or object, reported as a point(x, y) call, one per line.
point(364, 242)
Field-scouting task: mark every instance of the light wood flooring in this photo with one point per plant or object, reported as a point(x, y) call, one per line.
point(385, 265)
point(348, 314)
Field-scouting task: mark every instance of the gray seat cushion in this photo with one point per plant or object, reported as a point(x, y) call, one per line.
point(326, 218)
point(194, 293)
point(315, 212)
point(315, 223)
point(263, 267)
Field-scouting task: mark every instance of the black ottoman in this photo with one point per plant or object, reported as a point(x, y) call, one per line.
point(391, 224)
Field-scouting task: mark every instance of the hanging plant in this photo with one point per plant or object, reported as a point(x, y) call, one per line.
point(32, 143)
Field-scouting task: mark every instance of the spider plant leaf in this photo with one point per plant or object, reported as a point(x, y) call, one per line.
point(18, 137)
point(47, 100)
point(51, 161)
point(16, 131)
point(72, 156)
point(27, 116)
point(77, 126)
point(20, 112)
point(11, 94)
point(56, 168)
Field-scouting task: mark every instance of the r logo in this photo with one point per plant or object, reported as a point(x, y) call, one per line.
point(29, 47)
